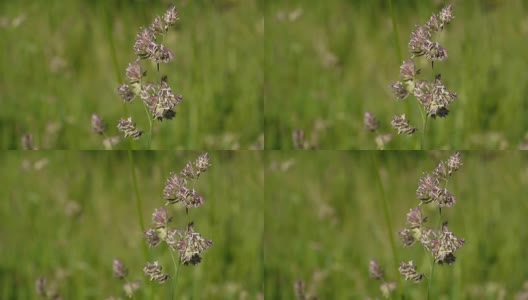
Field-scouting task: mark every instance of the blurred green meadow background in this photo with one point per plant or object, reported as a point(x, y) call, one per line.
point(328, 62)
point(62, 61)
point(66, 215)
point(325, 221)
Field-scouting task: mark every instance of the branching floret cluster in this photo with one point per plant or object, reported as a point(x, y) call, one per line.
point(432, 96)
point(441, 243)
point(187, 243)
point(158, 97)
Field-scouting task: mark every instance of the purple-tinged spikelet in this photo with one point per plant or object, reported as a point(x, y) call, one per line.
point(402, 125)
point(408, 271)
point(154, 271)
point(191, 245)
point(119, 269)
point(128, 127)
point(370, 122)
point(98, 125)
point(375, 270)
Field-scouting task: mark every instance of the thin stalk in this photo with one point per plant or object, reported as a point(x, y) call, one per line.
point(388, 221)
point(425, 118)
point(113, 52)
point(396, 41)
point(424, 129)
point(115, 62)
point(430, 284)
point(149, 118)
point(117, 72)
point(139, 208)
point(423, 114)
point(110, 36)
point(396, 34)
point(176, 271)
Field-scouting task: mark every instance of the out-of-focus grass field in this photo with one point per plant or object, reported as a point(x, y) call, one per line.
point(67, 215)
point(57, 68)
point(327, 62)
point(325, 221)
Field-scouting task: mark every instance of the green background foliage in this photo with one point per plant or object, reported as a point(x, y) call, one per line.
point(42, 234)
point(316, 66)
point(327, 62)
point(325, 222)
point(57, 68)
